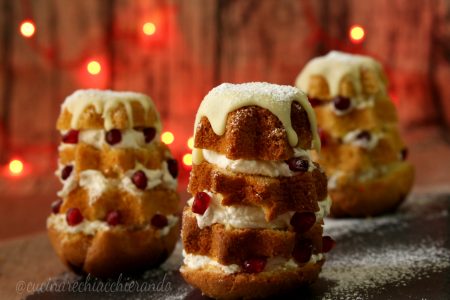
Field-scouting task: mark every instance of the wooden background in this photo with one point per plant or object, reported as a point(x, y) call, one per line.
point(197, 45)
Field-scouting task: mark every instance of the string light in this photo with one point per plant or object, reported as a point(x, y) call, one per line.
point(15, 167)
point(167, 137)
point(93, 67)
point(27, 28)
point(190, 143)
point(149, 28)
point(356, 34)
point(187, 159)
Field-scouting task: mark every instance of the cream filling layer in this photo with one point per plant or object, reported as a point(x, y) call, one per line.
point(195, 262)
point(87, 227)
point(255, 167)
point(242, 216)
point(95, 183)
point(369, 144)
point(131, 139)
point(358, 103)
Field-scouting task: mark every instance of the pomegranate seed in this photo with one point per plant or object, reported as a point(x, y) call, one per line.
point(114, 136)
point(404, 153)
point(302, 251)
point(303, 221)
point(149, 134)
point(298, 164)
point(315, 102)
point(327, 244)
point(254, 265)
point(201, 203)
point(56, 206)
point(74, 216)
point(364, 135)
point(159, 221)
point(140, 180)
point(324, 137)
point(65, 173)
point(70, 137)
point(172, 165)
point(341, 103)
point(113, 218)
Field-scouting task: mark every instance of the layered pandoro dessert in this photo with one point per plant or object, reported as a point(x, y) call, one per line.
point(118, 206)
point(362, 152)
point(253, 227)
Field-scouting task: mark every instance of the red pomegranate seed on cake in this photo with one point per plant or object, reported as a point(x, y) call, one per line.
point(140, 180)
point(324, 137)
point(314, 102)
point(70, 137)
point(56, 206)
point(254, 265)
point(404, 153)
point(159, 221)
point(65, 173)
point(172, 165)
point(303, 221)
point(74, 216)
point(303, 251)
point(114, 136)
point(341, 103)
point(327, 244)
point(364, 135)
point(201, 203)
point(149, 134)
point(113, 218)
point(298, 164)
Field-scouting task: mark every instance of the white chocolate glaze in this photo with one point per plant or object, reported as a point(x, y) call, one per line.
point(104, 101)
point(255, 167)
point(228, 97)
point(336, 65)
point(274, 264)
point(243, 216)
point(59, 223)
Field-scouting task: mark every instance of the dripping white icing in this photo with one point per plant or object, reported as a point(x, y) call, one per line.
point(336, 65)
point(278, 99)
point(103, 102)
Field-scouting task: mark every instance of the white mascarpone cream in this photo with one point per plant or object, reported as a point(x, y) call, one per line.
point(87, 227)
point(95, 183)
point(358, 103)
point(243, 216)
point(255, 167)
point(194, 262)
point(131, 139)
point(369, 144)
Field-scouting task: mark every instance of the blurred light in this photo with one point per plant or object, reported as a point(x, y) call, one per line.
point(356, 34)
point(27, 28)
point(15, 167)
point(190, 143)
point(94, 67)
point(187, 159)
point(149, 28)
point(167, 137)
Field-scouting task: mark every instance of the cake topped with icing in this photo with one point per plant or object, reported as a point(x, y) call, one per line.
point(100, 109)
point(343, 74)
point(227, 109)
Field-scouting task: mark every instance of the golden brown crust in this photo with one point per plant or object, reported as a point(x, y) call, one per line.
point(113, 162)
point(373, 197)
point(134, 210)
point(276, 195)
point(109, 253)
point(235, 245)
point(90, 119)
point(242, 285)
point(255, 133)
